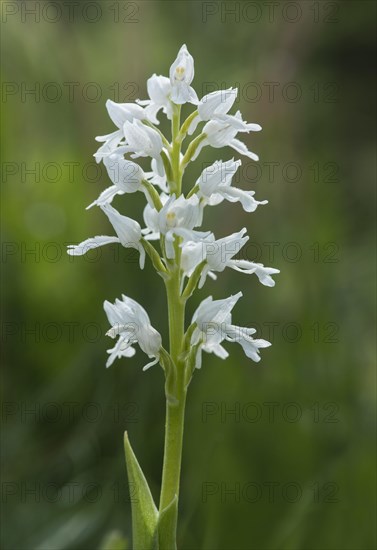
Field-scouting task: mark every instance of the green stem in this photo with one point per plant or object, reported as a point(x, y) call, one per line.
point(175, 408)
point(175, 384)
point(176, 150)
point(175, 413)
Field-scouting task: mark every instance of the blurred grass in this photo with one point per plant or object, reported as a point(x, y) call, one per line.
point(47, 368)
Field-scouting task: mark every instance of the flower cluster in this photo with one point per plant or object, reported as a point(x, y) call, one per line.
point(173, 218)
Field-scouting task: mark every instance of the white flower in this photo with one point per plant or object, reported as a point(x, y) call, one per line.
point(222, 131)
point(177, 217)
point(214, 325)
point(174, 219)
point(144, 142)
point(179, 213)
point(159, 91)
point(128, 234)
point(119, 114)
point(212, 105)
point(125, 175)
point(181, 75)
point(131, 323)
point(218, 255)
point(215, 185)
point(193, 253)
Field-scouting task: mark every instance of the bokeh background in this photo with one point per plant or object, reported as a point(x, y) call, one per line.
point(279, 455)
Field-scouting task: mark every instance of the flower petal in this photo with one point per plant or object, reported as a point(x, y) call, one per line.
point(88, 244)
point(241, 148)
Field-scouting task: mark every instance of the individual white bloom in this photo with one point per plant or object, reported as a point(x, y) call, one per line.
point(213, 320)
point(216, 175)
point(126, 176)
point(193, 253)
point(216, 253)
point(144, 142)
point(212, 105)
point(119, 114)
point(131, 323)
point(181, 75)
point(179, 213)
point(222, 131)
point(210, 318)
point(128, 234)
point(219, 254)
point(215, 185)
point(159, 91)
point(177, 217)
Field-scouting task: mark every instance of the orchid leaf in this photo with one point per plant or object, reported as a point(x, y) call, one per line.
point(144, 511)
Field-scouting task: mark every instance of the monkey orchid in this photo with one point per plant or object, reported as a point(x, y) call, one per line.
point(183, 256)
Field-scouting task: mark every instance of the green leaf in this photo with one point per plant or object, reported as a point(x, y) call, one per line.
point(144, 511)
point(167, 526)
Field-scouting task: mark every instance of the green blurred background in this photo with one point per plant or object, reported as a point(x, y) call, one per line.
point(298, 449)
